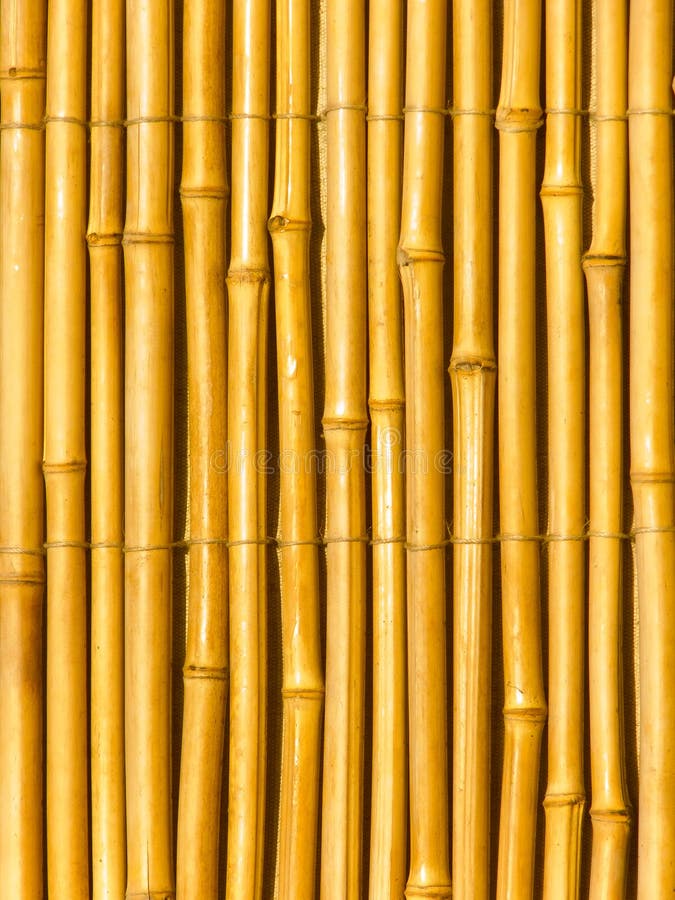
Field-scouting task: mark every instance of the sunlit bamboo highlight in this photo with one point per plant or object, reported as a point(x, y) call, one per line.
point(290, 225)
point(22, 100)
point(421, 261)
point(604, 266)
point(148, 262)
point(562, 203)
point(204, 192)
point(518, 117)
point(344, 425)
point(388, 818)
point(64, 451)
point(248, 288)
point(652, 434)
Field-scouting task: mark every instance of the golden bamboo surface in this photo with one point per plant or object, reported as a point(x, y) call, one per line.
point(22, 100)
point(421, 259)
point(64, 450)
point(652, 433)
point(518, 118)
point(303, 687)
point(148, 262)
point(389, 805)
point(344, 426)
point(562, 205)
point(204, 192)
point(248, 287)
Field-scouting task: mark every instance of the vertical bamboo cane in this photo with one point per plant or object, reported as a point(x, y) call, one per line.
point(562, 203)
point(204, 193)
point(22, 98)
point(421, 261)
point(518, 117)
point(604, 265)
point(652, 434)
point(344, 424)
point(64, 451)
point(388, 821)
point(248, 287)
point(148, 258)
point(303, 689)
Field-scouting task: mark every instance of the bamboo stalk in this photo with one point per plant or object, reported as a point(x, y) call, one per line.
point(344, 425)
point(204, 193)
point(22, 100)
point(562, 204)
point(148, 257)
point(421, 259)
point(518, 117)
point(64, 451)
point(302, 688)
point(652, 433)
point(248, 288)
point(604, 267)
point(388, 819)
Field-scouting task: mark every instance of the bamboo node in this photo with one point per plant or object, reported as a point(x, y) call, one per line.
point(331, 423)
point(603, 261)
point(25, 74)
point(280, 224)
point(393, 405)
point(612, 815)
point(429, 891)
point(303, 693)
point(208, 673)
point(519, 120)
point(72, 465)
point(561, 190)
point(552, 801)
point(113, 239)
point(147, 237)
point(524, 714)
point(204, 193)
point(472, 366)
point(407, 256)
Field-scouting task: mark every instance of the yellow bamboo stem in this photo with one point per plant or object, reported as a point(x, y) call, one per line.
point(344, 425)
point(204, 192)
point(64, 451)
point(148, 258)
point(22, 100)
point(421, 259)
point(518, 117)
point(652, 432)
point(388, 818)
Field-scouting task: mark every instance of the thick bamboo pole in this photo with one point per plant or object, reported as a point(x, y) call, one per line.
point(204, 193)
point(389, 806)
point(562, 203)
point(344, 425)
point(248, 287)
point(22, 100)
point(303, 688)
point(64, 451)
point(148, 258)
point(604, 267)
point(421, 259)
point(518, 117)
point(652, 433)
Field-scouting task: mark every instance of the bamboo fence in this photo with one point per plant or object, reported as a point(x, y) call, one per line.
point(236, 359)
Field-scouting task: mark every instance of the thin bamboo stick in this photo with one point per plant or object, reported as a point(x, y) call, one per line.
point(248, 287)
point(64, 451)
point(421, 259)
point(303, 688)
point(388, 819)
point(148, 258)
point(604, 267)
point(518, 117)
point(652, 432)
point(344, 425)
point(22, 100)
point(204, 193)
point(561, 195)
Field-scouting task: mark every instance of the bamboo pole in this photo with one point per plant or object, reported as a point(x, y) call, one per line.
point(652, 433)
point(204, 193)
point(518, 117)
point(148, 258)
point(22, 100)
point(604, 267)
point(302, 688)
point(64, 451)
point(421, 259)
point(344, 425)
point(388, 818)
point(562, 204)
point(248, 288)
